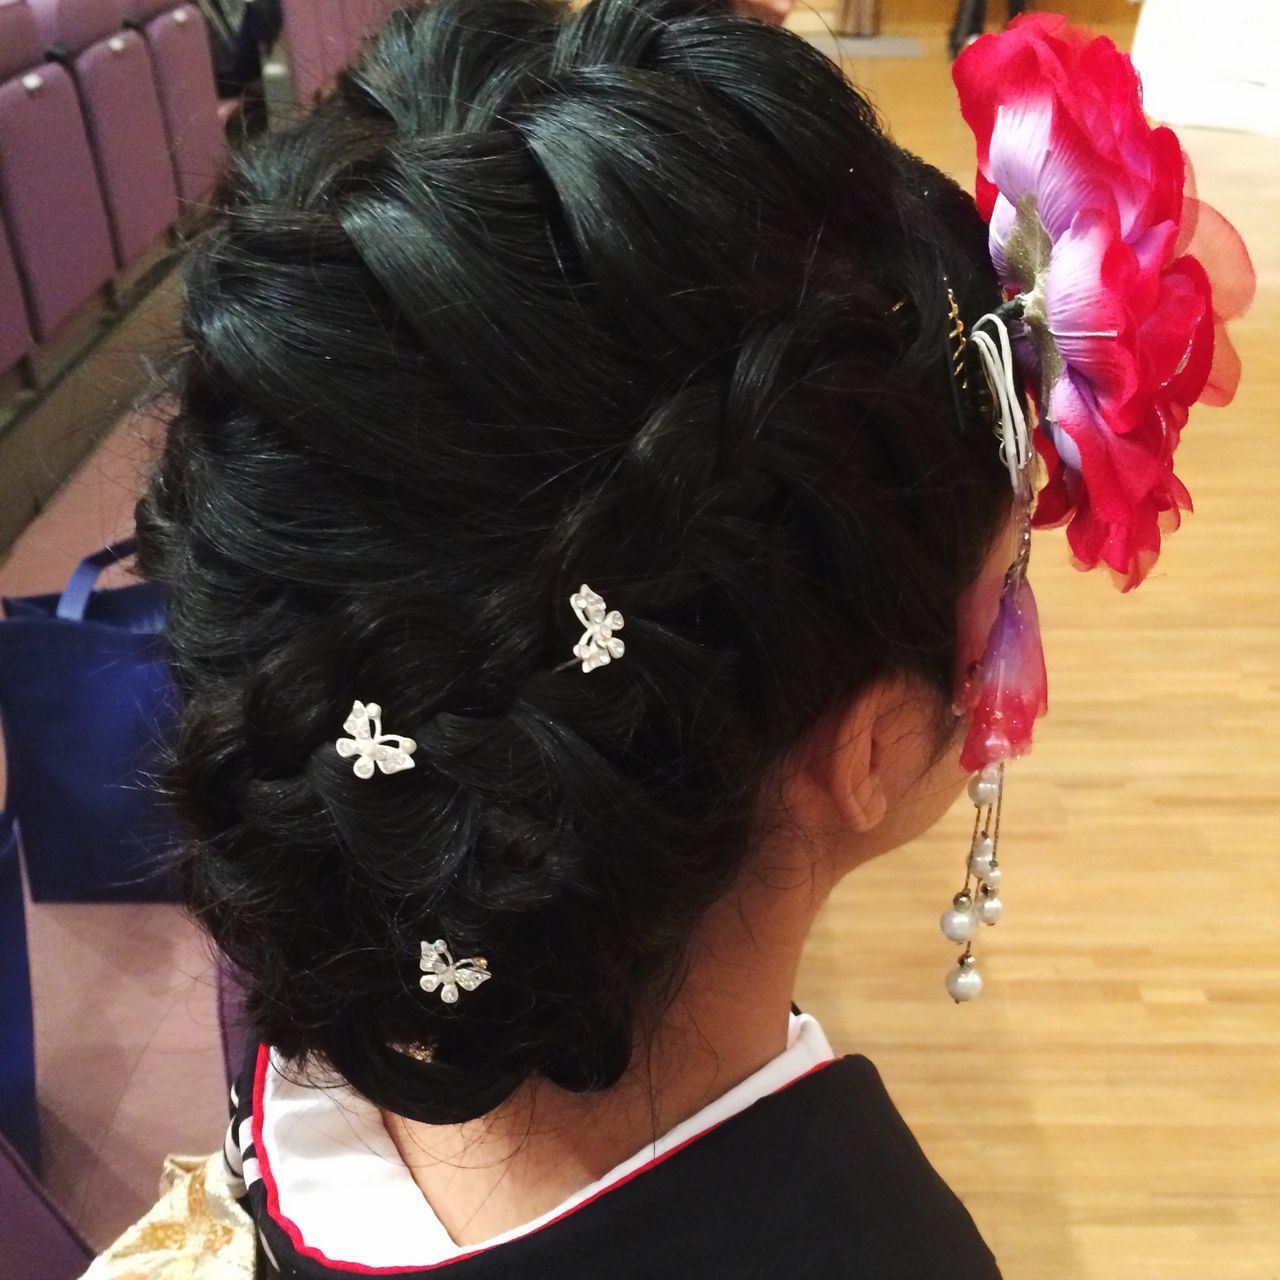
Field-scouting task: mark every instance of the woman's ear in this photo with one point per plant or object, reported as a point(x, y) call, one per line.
point(847, 758)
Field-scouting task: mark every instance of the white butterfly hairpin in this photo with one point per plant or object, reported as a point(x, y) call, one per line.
point(439, 969)
point(370, 745)
point(598, 645)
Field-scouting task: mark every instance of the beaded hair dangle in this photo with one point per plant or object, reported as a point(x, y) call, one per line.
point(983, 905)
point(1007, 690)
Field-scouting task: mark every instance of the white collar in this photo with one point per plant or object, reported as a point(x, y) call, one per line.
point(334, 1175)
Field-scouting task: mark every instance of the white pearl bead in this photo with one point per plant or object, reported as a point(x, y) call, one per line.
point(959, 926)
point(981, 857)
point(983, 790)
point(964, 984)
point(990, 909)
point(992, 876)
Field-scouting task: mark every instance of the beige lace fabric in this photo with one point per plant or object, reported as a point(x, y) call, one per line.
point(195, 1231)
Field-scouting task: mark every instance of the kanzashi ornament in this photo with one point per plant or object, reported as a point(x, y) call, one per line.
point(1118, 285)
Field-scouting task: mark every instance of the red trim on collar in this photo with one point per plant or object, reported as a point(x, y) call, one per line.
point(292, 1230)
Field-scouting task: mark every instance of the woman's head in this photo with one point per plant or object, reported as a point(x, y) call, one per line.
point(638, 296)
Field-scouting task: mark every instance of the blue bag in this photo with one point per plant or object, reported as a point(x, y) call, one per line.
point(18, 1117)
point(85, 700)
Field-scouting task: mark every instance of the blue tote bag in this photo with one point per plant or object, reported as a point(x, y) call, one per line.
point(85, 700)
point(18, 1119)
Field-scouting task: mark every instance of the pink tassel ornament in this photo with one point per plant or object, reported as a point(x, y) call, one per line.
point(1010, 689)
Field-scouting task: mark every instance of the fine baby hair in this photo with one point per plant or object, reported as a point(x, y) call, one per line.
point(636, 295)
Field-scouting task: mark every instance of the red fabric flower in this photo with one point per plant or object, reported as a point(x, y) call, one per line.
point(1126, 279)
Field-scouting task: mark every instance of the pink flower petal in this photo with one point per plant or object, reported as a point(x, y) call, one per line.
point(1089, 276)
point(1207, 236)
point(1037, 150)
point(1153, 251)
point(1003, 217)
point(1177, 337)
point(1125, 490)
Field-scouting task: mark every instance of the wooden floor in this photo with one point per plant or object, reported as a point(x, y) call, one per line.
point(1110, 1108)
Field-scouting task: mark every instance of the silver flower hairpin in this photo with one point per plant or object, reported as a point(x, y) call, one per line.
point(439, 969)
point(370, 745)
point(598, 645)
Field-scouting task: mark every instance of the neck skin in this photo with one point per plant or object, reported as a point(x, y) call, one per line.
point(731, 1018)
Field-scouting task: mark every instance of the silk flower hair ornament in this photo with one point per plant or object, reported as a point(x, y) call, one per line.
point(1119, 283)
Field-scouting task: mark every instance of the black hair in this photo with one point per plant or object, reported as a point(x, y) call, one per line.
point(637, 295)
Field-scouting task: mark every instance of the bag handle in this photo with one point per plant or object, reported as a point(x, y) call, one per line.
point(75, 599)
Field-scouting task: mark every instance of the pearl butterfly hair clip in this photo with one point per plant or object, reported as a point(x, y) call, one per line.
point(598, 646)
point(441, 971)
point(392, 752)
point(370, 745)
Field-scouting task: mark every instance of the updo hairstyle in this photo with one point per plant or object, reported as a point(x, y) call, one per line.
point(637, 295)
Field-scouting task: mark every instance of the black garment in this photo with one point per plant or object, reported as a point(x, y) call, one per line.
point(240, 33)
point(971, 20)
point(821, 1180)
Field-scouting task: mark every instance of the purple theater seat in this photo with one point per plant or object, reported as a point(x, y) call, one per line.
point(15, 328)
point(57, 224)
point(142, 11)
point(36, 1240)
point(364, 17)
point(183, 66)
point(319, 43)
point(122, 111)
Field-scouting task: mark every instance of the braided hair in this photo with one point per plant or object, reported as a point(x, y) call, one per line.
point(636, 294)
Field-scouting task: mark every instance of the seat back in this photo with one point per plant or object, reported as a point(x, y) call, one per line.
point(15, 328)
point(183, 64)
point(319, 44)
point(57, 224)
point(122, 111)
point(36, 1240)
point(364, 17)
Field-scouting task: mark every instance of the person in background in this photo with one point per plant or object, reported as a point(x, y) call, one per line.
point(241, 35)
point(971, 21)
